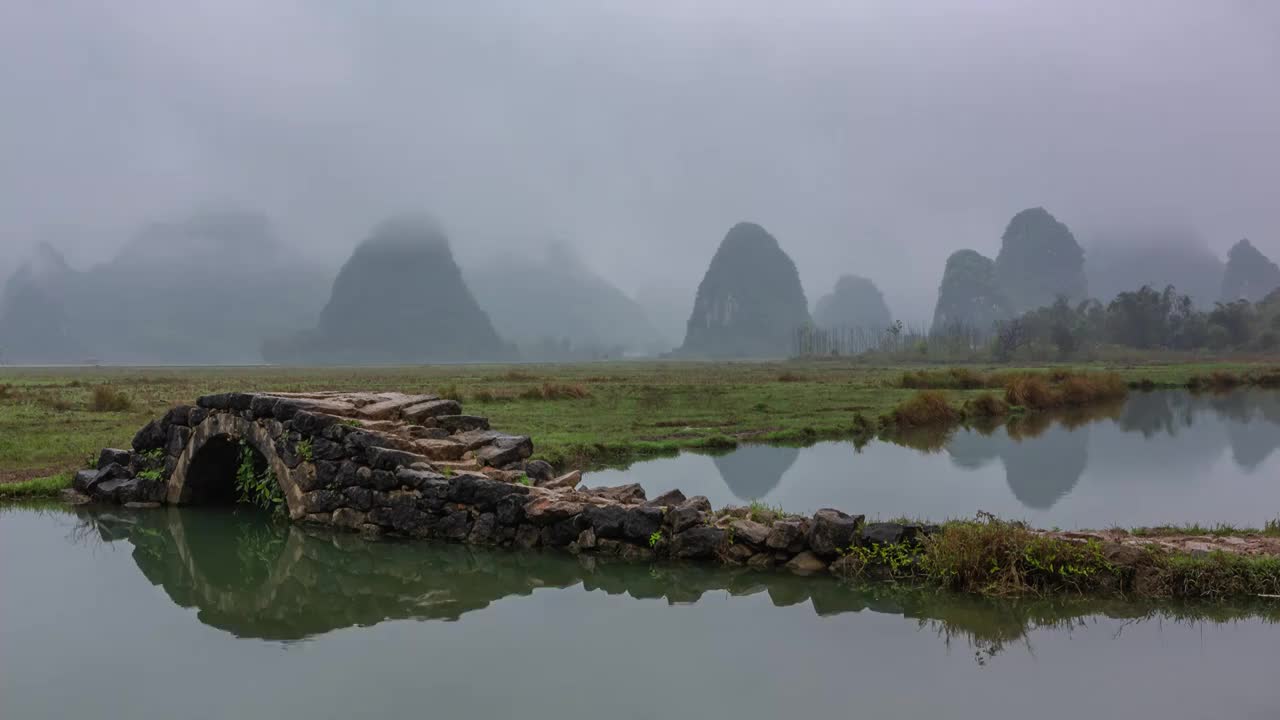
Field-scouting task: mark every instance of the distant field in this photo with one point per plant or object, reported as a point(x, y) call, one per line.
point(580, 415)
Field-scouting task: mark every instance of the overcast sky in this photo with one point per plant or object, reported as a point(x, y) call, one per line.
point(872, 138)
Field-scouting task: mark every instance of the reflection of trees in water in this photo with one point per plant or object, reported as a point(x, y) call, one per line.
point(753, 471)
point(296, 583)
point(1045, 454)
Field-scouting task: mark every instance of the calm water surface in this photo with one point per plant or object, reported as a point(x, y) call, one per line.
point(213, 614)
point(1161, 457)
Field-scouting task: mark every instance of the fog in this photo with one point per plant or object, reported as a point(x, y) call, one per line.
point(868, 138)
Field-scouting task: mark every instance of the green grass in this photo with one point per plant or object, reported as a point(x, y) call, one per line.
point(580, 415)
point(37, 488)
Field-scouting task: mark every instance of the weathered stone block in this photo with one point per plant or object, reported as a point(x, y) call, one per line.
point(698, 543)
point(381, 458)
point(832, 532)
point(670, 498)
point(548, 510)
point(750, 532)
point(321, 501)
point(418, 412)
point(688, 514)
point(641, 523)
point(123, 458)
point(505, 449)
point(462, 423)
point(179, 436)
point(178, 415)
point(151, 437)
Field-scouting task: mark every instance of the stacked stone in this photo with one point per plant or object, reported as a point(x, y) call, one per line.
point(416, 466)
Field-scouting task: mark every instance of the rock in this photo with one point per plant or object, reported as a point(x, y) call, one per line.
point(831, 532)
point(482, 532)
point(670, 498)
point(419, 412)
point(151, 437)
point(567, 481)
point(806, 563)
point(539, 471)
point(750, 532)
point(527, 536)
point(560, 534)
point(687, 514)
point(359, 498)
point(606, 520)
point(587, 539)
point(738, 553)
point(761, 561)
point(440, 449)
point(109, 473)
point(225, 401)
point(474, 439)
point(83, 480)
point(178, 438)
point(510, 510)
point(311, 423)
point(111, 455)
point(419, 432)
point(697, 543)
point(196, 415)
point(381, 458)
point(462, 423)
point(634, 553)
point(140, 490)
point(403, 519)
point(177, 415)
point(454, 526)
point(628, 494)
point(263, 406)
point(505, 449)
point(787, 535)
point(324, 449)
point(482, 492)
point(418, 479)
point(886, 533)
point(321, 501)
point(391, 406)
point(548, 510)
point(641, 523)
point(348, 518)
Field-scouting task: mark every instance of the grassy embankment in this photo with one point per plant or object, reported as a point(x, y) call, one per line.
point(584, 415)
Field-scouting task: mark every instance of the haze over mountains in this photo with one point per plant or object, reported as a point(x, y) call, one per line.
point(870, 139)
point(222, 287)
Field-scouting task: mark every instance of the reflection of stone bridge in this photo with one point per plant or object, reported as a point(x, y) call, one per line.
point(254, 578)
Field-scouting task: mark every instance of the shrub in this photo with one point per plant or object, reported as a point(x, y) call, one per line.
point(557, 391)
point(1029, 391)
point(107, 399)
point(986, 405)
point(927, 407)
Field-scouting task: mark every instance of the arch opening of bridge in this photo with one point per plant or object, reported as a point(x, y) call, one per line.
point(211, 474)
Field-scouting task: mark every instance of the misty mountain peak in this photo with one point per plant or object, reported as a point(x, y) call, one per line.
point(1039, 261)
point(749, 302)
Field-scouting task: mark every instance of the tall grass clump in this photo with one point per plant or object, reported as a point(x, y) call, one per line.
point(998, 557)
point(986, 405)
point(107, 399)
point(927, 407)
point(1063, 389)
point(37, 488)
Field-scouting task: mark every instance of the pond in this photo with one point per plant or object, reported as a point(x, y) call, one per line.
point(215, 613)
point(1160, 457)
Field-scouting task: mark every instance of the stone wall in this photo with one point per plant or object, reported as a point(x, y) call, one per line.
point(416, 466)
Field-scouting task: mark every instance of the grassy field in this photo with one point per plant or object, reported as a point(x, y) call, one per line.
point(53, 419)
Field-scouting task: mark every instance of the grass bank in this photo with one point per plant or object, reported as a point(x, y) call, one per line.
point(993, 557)
point(580, 415)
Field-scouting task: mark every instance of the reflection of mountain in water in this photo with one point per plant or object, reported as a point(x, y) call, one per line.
point(1250, 419)
point(258, 579)
point(1039, 470)
point(752, 471)
point(1178, 430)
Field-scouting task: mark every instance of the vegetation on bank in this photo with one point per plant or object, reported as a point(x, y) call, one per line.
point(584, 415)
point(989, 556)
point(43, 487)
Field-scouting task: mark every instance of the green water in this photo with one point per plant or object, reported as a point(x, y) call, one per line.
point(218, 614)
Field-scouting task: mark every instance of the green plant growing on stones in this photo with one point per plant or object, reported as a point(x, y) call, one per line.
point(655, 538)
point(304, 450)
point(258, 488)
point(447, 472)
point(151, 474)
point(524, 480)
point(352, 422)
